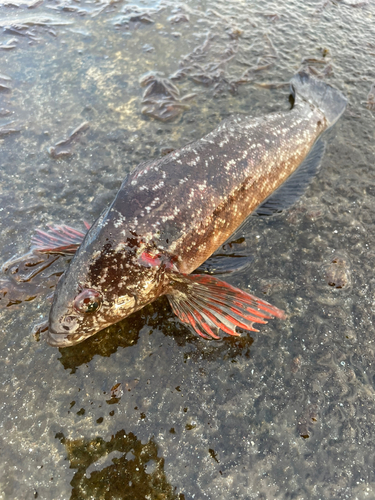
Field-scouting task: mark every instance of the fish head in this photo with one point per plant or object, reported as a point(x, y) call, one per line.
point(105, 282)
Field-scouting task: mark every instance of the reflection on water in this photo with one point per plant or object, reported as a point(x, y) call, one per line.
point(126, 334)
point(87, 91)
point(119, 335)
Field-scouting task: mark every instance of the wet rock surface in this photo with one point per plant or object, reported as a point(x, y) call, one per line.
point(145, 408)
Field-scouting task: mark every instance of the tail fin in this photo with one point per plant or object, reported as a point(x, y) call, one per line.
point(329, 100)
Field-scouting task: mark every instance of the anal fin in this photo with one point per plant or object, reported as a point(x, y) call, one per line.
point(209, 305)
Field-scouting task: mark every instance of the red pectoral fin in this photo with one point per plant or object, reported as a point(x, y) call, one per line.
point(209, 305)
point(58, 239)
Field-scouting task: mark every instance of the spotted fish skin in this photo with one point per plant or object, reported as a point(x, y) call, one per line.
point(172, 213)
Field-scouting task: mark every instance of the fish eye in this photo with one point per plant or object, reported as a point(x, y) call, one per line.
point(88, 301)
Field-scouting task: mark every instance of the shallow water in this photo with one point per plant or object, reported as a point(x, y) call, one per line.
point(284, 413)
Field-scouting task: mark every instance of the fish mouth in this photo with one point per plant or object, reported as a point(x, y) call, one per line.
point(63, 332)
point(59, 339)
point(56, 339)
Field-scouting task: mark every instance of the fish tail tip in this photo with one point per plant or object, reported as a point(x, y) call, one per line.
point(330, 101)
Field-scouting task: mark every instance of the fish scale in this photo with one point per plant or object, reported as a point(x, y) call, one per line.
point(172, 213)
point(230, 172)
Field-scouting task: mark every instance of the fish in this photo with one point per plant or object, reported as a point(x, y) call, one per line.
point(170, 214)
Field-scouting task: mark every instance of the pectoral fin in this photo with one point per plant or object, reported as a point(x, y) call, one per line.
point(210, 305)
point(59, 239)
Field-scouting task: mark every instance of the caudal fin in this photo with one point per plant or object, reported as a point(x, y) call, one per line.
point(329, 100)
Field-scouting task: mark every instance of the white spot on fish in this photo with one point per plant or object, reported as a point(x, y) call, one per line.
point(158, 186)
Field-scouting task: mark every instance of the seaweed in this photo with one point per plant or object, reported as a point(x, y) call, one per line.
point(208, 62)
point(8, 129)
point(161, 98)
point(26, 26)
point(132, 14)
point(30, 4)
point(64, 147)
point(121, 467)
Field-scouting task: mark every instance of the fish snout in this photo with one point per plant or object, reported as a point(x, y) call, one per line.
point(62, 333)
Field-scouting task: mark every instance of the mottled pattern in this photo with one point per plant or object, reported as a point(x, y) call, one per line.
point(190, 201)
point(171, 214)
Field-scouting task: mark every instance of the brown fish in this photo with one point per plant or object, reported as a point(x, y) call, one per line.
point(172, 213)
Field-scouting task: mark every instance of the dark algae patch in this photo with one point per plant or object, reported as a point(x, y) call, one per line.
point(285, 413)
point(122, 467)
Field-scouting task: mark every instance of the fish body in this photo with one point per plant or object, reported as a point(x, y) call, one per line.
point(172, 213)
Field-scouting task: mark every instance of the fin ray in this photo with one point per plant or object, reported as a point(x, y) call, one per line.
point(295, 186)
point(59, 239)
point(208, 304)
